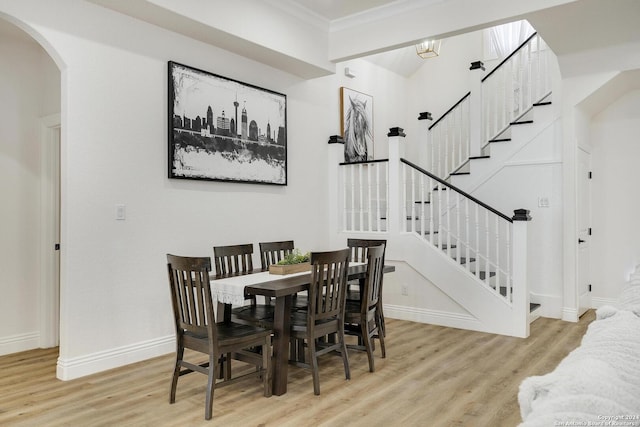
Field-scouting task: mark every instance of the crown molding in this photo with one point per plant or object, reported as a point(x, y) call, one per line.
point(378, 13)
point(297, 11)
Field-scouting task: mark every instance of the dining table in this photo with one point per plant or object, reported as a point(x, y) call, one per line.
point(232, 289)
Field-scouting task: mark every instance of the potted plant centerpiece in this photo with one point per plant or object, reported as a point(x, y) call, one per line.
point(295, 262)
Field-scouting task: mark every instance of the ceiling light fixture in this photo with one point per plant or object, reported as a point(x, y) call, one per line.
point(428, 49)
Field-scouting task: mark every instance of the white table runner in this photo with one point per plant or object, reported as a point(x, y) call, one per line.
point(230, 290)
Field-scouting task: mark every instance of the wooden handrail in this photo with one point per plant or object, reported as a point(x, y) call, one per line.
point(524, 43)
point(450, 110)
point(456, 189)
point(359, 162)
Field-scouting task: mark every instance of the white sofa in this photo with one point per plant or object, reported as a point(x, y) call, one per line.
point(599, 382)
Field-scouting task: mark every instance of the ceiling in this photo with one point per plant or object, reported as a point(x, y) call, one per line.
point(403, 61)
point(573, 30)
point(333, 10)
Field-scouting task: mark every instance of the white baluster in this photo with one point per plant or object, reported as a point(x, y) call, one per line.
point(509, 267)
point(421, 200)
point(343, 176)
point(378, 201)
point(360, 198)
point(467, 220)
point(477, 255)
point(457, 237)
point(447, 159)
point(487, 242)
point(497, 258)
point(448, 213)
point(440, 213)
point(530, 93)
point(431, 203)
point(353, 197)
point(413, 201)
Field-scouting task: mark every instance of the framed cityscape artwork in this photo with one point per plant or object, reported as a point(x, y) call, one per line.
point(221, 129)
point(356, 125)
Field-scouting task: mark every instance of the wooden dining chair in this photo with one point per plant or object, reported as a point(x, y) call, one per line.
point(196, 329)
point(238, 259)
point(360, 318)
point(325, 314)
point(358, 253)
point(272, 252)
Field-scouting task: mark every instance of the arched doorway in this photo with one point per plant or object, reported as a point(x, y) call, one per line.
point(30, 90)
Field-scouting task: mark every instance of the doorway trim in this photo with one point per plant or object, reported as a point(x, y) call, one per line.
point(49, 301)
point(583, 227)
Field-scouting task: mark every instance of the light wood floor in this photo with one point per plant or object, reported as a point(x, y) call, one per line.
point(432, 376)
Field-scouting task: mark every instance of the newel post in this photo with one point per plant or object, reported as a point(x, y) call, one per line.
point(475, 109)
point(334, 182)
point(520, 285)
point(394, 196)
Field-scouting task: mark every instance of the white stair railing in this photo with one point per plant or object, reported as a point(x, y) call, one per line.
point(511, 89)
point(505, 94)
point(470, 232)
point(365, 186)
point(449, 139)
point(399, 199)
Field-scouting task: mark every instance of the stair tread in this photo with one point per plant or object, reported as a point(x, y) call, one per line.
point(479, 157)
point(384, 218)
point(500, 140)
point(463, 260)
point(444, 246)
point(461, 173)
point(483, 274)
point(523, 122)
point(538, 104)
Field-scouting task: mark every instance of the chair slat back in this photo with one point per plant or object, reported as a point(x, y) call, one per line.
point(233, 259)
point(373, 280)
point(272, 252)
point(328, 284)
point(359, 248)
point(191, 295)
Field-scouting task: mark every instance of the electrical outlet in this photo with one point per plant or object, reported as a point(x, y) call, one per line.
point(121, 212)
point(405, 290)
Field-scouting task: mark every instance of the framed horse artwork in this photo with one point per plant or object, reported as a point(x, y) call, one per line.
point(356, 125)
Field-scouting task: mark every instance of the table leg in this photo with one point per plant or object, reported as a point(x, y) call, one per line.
point(281, 324)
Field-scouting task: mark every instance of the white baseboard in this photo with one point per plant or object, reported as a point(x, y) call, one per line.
point(75, 367)
point(569, 314)
point(550, 305)
point(599, 302)
point(433, 317)
point(16, 343)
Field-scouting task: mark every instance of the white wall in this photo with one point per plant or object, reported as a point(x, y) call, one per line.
point(114, 145)
point(29, 89)
point(615, 203)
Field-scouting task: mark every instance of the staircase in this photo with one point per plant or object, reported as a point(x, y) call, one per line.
point(472, 252)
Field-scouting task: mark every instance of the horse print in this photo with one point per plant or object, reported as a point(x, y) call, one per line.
point(357, 125)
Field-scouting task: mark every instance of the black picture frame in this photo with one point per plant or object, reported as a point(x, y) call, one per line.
point(222, 129)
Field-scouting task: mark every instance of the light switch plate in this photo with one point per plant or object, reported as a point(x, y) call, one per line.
point(543, 202)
